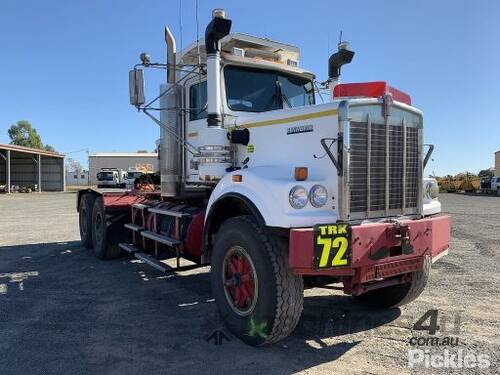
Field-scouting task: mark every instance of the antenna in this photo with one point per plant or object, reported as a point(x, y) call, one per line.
point(197, 32)
point(180, 20)
point(340, 37)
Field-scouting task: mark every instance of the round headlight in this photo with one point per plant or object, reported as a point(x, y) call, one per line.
point(433, 189)
point(298, 197)
point(318, 196)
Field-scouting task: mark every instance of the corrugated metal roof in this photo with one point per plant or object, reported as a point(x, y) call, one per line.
point(29, 150)
point(124, 154)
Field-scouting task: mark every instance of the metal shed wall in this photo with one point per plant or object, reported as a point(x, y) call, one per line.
point(23, 169)
point(52, 174)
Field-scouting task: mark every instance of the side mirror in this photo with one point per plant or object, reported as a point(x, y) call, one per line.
point(136, 87)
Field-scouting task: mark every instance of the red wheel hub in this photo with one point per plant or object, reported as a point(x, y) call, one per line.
point(240, 281)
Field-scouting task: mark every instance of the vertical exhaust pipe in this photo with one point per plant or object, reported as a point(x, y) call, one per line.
point(170, 150)
point(171, 54)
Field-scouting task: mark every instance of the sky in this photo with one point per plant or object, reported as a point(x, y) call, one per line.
point(64, 64)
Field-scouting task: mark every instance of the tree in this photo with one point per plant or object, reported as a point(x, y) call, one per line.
point(142, 151)
point(485, 173)
point(23, 134)
point(73, 166)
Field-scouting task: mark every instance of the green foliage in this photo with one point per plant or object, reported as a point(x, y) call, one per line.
point(23, 134)
point(485, 173)
point(142, 151)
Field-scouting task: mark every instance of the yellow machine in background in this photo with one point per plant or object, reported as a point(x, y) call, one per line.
point(461, 182)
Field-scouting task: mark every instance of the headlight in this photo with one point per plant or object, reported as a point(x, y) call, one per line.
point(432, 189)
point(318, 196)
point(298, 197)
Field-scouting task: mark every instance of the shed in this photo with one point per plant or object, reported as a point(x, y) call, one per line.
point(24, 166)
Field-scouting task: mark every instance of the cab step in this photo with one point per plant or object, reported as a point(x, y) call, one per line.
point(134, 227)
point(140, 206)
point(160, 238)
point(153, 262)
point(162, 211)
point(128, 247)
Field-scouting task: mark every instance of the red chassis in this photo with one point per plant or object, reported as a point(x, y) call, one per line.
point(382, 254)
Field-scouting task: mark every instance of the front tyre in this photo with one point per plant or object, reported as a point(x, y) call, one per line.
point(399, 295)
point(258, 296)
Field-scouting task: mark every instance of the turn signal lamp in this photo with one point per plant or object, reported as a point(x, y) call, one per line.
point(300, 173)
point(371, 90)
point(236, 178)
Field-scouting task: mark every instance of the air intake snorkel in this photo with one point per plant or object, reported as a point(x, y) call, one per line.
point(343, 56)
point(217, 29)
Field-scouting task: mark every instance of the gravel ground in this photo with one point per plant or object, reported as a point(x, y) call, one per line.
point(62, 311)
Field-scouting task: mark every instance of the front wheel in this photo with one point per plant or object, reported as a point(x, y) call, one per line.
point(258, 296)
point(399, 295)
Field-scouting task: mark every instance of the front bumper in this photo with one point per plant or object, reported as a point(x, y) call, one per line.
point(378, 250)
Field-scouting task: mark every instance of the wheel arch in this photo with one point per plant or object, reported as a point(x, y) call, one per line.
point(228, 205)
point(81, 193)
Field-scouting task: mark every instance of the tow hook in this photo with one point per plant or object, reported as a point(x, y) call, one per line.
point(402, 233)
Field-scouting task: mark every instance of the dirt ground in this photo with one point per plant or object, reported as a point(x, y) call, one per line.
point(62, 311)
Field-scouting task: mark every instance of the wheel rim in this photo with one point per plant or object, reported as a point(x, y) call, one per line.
point(240, 281)
point(98, 232)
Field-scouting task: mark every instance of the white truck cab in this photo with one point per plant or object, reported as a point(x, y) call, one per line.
point(275, 191)
point(495, 185)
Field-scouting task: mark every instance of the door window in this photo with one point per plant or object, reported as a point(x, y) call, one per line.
point(198, 101)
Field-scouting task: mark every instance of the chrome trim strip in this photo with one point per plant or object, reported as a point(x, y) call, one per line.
point(403, 184)
point(368, 164)
point(343, 135)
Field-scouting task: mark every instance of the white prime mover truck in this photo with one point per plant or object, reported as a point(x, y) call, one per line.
point(274, 191)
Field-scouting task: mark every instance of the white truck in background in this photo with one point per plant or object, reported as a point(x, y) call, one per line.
point(133, 174)
point(111, 178)
point(495, 185)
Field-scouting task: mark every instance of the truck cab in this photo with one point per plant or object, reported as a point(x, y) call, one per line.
point(276, 191)
point(111, 178)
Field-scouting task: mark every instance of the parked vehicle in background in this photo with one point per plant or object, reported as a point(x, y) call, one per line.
point(132, 175)
point(275, 192)
point(111, 178)
point(495, 185)
point(486, 184)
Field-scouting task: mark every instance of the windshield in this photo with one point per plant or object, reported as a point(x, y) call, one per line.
point(105, 176)
point(133, 175)
point(258, 90)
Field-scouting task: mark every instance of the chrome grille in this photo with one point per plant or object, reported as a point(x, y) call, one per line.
point(377, 189)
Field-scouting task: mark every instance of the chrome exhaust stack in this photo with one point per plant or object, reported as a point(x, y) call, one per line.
point(170, 148)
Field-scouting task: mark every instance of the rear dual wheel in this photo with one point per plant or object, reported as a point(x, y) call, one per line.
point(258, 296)
point(104, 240)
point(85, 219)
